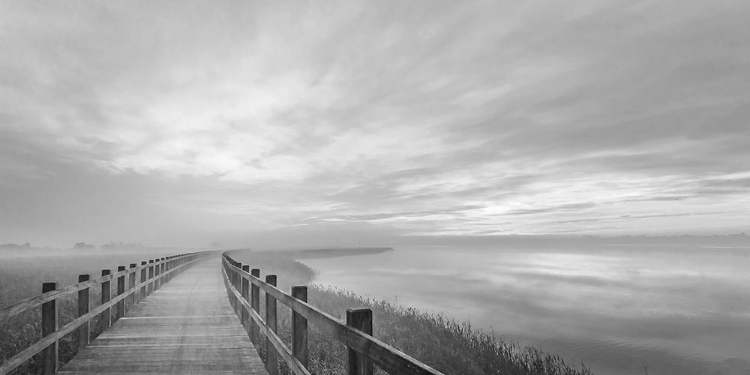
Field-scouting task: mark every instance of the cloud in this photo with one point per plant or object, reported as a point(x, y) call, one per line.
point(514, 117)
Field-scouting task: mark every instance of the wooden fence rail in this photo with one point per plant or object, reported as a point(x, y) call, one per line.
point(167, 267)
point(364, 351)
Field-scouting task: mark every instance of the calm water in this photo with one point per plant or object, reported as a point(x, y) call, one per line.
point(615, 310)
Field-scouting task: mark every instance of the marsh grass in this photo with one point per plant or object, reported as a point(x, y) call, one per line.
point(450, 346)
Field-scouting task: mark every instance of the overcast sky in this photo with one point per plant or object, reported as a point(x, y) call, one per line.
point(182, 123)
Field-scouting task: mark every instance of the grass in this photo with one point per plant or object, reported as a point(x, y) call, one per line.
point(447, 345)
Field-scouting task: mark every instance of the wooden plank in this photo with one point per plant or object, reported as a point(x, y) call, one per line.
point(187, 326)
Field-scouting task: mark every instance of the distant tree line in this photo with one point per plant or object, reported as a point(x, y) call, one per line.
point(15, 246)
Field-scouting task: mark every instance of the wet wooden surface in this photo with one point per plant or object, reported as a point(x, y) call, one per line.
point(185, 327)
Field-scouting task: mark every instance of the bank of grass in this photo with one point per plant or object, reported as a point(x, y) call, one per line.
point(449, 346)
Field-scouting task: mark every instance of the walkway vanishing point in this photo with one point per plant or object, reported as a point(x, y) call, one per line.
point(178, 320)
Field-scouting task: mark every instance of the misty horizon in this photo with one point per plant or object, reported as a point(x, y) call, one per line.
point(736, 240)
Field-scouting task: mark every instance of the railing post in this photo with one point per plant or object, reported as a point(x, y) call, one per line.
point(143, 280)
point(120, 291)
point(272, 364)
point(106, 318)
point(299, 327)
point(233, 281)
point(131, 284)
point(255, 304)
point(360, 319)
point(232, 299)
point(163, 268)
point(49, 326)
point(157, 271)
point(238, 285)
point(150, 285)
point(83, 309)
point(168, 268)
point(245, 291)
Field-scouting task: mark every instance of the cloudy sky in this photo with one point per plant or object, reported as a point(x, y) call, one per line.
point(182, 123)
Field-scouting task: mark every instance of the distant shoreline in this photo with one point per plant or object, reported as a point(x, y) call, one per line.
point(337, 252)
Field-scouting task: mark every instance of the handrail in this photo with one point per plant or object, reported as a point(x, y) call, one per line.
point(160, 271)
point(356, 334)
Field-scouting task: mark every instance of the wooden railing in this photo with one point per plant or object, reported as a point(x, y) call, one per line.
point(364, 351)
point(153, 274)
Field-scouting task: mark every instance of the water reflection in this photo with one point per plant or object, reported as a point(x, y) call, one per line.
point(615, 310)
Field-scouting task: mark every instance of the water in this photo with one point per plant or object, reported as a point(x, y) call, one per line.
point(617, 310)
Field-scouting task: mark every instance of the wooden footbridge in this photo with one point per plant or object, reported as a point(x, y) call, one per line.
point(196, 313)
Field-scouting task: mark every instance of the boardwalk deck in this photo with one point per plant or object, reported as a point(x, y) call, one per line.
point(185, 327)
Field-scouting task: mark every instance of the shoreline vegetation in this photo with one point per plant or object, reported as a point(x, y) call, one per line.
point(448, 345)
point(334, 252)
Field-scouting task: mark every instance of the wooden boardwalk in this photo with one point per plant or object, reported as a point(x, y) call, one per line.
point(185, 327)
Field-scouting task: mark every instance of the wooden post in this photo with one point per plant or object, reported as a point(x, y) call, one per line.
point(299, 327)
point(166, 270)
point(168, 267)
point(272, 364)
point(255, 304)
point(143, 279)
point(120, 291)
point(238, 309)
point(131, 284)
point(233, 282)
point(360, 319)
point(245, 290)
point(157, 271)
point(232, 298)
point(150, 285)
point(161, 272)
point(106, 296)
point(83, 309)
point(49, 326)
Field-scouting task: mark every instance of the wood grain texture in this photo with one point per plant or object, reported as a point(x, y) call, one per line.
point(360, 319)
point(186, 327)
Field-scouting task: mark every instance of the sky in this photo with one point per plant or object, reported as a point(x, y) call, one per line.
point(181, 123)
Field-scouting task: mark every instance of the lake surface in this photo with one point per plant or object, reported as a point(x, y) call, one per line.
point(615, 309)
